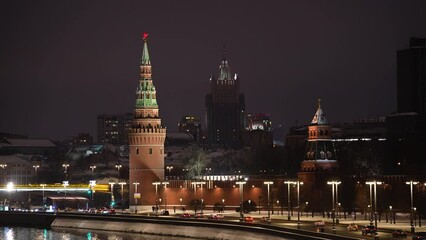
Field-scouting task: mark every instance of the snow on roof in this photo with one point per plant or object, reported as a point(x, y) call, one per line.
point(180, 136)
point(29, 143)
point(68, 198)
point(107, 180)
point(14, 159)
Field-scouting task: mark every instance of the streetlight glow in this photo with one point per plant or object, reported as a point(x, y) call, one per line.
point(136, 196)
point(373, 183)
point(65, 184)
point(241, 183)
point(269, 204)
point(334, 185)
point(288, 197)
point(411, 183)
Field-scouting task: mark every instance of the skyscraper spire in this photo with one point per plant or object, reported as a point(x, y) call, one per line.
point(224, 70)
point(224, 52)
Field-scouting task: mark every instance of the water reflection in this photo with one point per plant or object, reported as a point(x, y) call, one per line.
point(19, 233)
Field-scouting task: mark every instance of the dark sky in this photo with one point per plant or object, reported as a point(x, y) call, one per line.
point(64, 62)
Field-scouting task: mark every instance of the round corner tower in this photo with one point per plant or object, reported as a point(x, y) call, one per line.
point(146, 137)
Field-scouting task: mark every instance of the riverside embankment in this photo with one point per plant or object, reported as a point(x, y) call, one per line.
point(202, 229)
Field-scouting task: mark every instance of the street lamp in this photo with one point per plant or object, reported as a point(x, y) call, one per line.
point(306, 208)
point(118, 166)
point(93, 167)
point(298, 183)
point(122, 195)
point(278, 207)
point(288, 198)
point(10, 187)
point(3, 166)
point(136, 196)
point(92, 184)
point(181, 206)
point(112, 193)
point(223, 204)
point(391, 214)
point(374, 183)
point(44, 200)
point(411, 183)
point(169, 168)
point(35, 169)
point(334, 185)
point(65, 184)
point(241, 183)
point(156, 194)
point(65, 166)
point(202, 202)
point(268, 183)
point(165, 195)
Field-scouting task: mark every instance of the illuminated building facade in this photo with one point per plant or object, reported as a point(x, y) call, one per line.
point(258, 130)
point(146, 136)
point(113, 128)
point(225, 108)
point(191, 125)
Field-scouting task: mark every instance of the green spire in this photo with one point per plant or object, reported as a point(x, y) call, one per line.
point(145, 55)
point(146, 91)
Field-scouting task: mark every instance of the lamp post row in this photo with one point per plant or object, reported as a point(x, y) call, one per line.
point(335, 202)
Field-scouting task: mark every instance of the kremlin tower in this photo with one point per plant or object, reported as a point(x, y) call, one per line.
point(320, 162)
point(146, 137)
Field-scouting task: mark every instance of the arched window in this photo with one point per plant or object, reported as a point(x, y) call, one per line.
point(321, 133)
point(150, 151)
point(137, 150)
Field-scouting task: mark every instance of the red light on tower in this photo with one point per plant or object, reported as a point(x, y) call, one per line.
point(145, 35)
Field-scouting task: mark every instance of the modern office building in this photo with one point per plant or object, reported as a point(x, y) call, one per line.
point(411, 77)
point(191, 125)
point(225, 108)
point(113, 128)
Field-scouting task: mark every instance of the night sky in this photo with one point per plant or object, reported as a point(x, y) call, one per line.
point(64, 62)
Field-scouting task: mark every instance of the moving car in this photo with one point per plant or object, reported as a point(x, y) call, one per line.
point(185, 215)
point(216, 216)
point(199, 215)
point(352, 227)
point(399, 233)
point(369, 229)
point(319, 224)
point(419, 235)
point(91, 210)
point(265, 220)
point(248, 219)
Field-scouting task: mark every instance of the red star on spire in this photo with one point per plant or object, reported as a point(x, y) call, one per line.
point(145, 35)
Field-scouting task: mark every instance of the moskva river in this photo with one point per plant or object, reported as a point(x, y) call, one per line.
point(20, 233)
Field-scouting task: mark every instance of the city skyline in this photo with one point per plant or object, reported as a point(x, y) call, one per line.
point(63, 64)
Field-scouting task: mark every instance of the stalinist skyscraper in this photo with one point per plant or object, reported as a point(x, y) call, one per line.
point(146, 137)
